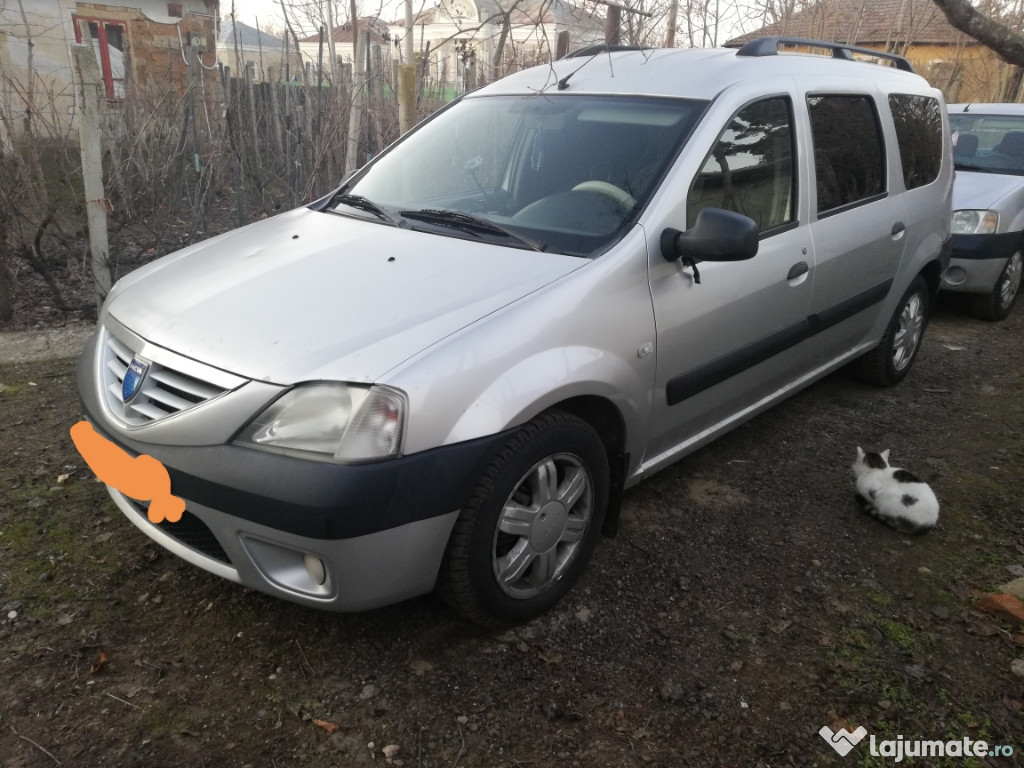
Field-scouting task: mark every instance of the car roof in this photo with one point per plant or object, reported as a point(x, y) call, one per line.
point(986, 109)
point(700, 73)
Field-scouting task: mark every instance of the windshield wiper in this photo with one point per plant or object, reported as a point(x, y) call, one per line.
point(466, 222)
point(361, 203)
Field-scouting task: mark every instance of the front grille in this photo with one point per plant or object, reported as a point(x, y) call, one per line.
point(189, 530)
point(166, 389)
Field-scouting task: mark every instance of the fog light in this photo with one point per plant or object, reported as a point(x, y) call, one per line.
point(955, 275)
point(315, 568)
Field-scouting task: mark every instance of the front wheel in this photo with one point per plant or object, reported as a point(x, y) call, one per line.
point(997, 304)
point(890, 361)
point(530, 526)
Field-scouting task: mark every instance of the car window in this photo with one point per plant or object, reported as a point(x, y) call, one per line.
point(849, 150)
point(567, 172)
point(918, 121)
point(750, 169)
point(988, 142)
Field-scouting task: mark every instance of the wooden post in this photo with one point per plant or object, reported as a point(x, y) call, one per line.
point(562, 45)
point(250, 77)
point(236, 166)
point(90, 92)
point(355, 114)
point(407, 77)
point(613, 25)
point(375, 84)
point(275, 108)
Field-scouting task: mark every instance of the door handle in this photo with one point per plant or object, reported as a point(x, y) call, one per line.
point(898, 229)
point(800, 268)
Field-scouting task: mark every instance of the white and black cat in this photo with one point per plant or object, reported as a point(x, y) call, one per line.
point(893, 495)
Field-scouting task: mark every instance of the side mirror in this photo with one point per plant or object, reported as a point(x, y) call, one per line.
point(717, 235)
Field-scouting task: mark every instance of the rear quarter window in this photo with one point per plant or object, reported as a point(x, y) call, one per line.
point(918, 121)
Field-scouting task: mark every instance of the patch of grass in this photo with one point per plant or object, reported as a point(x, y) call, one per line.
point(904, 637)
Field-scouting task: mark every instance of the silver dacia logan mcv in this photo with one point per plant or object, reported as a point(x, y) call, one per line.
point(445, 373)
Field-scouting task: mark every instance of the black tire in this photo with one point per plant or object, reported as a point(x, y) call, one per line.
point(534, 517)
point(996, 306)
point(888, 363)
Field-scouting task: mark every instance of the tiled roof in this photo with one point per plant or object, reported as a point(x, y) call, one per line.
point(343, 32)
point(865, 22)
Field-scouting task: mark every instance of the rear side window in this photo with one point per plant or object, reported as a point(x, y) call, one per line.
point(918, 121)
point(849, 151)
point(750, 170)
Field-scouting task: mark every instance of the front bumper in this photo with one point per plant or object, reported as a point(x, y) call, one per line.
point(978, 260)
point(336, 537)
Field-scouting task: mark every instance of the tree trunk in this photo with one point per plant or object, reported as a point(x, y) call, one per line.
point(1007, 44)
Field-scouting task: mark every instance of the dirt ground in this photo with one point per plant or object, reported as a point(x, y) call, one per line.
point(745, 604)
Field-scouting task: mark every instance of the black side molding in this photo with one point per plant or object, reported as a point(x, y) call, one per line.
point(694, 382)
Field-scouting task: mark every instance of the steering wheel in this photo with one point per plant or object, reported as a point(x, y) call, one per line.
point(620, 196)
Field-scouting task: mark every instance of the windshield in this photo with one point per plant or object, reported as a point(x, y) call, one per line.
point(993, 143)
point(563, 174)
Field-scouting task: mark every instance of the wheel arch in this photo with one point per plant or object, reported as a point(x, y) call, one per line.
point(607, 421)
point(932, 274)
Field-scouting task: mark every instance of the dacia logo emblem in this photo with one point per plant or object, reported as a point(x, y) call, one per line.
point(131, 385)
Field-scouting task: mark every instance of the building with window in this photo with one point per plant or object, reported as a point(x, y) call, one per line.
point(460, 44)
point(240, 45)
point(463, 43)
point(137, 43)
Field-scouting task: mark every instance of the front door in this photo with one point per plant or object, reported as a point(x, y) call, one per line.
point(731, 339)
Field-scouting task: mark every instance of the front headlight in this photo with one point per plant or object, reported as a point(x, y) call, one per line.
point(968, 222)
point(331, 422)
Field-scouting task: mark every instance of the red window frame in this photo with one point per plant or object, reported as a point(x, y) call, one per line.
point(101, 35)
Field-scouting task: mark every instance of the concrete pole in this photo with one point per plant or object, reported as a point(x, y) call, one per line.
point(673, 19)
point(91, 92)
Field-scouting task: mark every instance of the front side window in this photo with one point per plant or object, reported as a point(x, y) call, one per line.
point(567, 173)
point(849, 150)
point(918, 121)
point(750, 170)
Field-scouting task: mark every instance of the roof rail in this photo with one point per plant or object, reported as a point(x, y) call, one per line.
point(769, 46)
point(593, 50)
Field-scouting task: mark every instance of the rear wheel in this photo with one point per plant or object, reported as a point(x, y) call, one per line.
point(996, 305)
point(530, 526)
point(891, 360)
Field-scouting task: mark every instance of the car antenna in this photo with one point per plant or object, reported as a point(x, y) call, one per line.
point(591, 53)
point(564, 82)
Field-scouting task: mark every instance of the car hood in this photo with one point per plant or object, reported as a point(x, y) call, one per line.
point(981, 191)
point(309, 295)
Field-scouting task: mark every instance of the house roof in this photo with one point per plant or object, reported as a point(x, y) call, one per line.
point(247, 36)
point(343, 33)
point(865, 22)
point(578, 18)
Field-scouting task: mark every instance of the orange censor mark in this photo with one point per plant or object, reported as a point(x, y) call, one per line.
point(142, 477)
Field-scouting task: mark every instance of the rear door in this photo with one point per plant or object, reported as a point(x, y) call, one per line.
point(859, 228)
